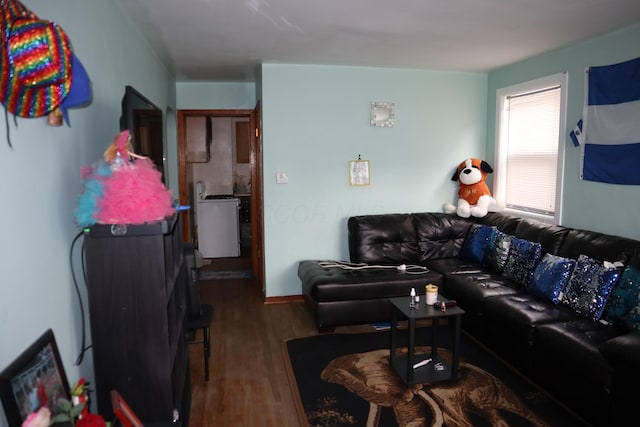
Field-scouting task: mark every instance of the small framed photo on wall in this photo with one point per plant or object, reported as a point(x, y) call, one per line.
point(359, 172)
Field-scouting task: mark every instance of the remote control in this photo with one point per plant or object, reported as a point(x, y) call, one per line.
point(423, 363)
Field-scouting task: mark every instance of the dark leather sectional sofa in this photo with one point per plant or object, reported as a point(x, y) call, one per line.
point(590, 365)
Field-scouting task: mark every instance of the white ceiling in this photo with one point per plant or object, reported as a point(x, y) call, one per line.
point(226, 40)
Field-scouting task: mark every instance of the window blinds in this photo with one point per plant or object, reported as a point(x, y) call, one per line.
point(533, 138)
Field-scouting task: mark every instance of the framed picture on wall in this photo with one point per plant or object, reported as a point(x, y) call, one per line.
point(35, 379)
point(359, 172)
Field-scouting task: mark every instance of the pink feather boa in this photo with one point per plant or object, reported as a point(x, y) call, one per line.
point(134, 194)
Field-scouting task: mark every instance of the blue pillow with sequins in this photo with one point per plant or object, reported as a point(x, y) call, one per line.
point(551, 277)
point(523, 258)
point(497, 251)
point(590, 285)
point(625, 295)
point(476, 242)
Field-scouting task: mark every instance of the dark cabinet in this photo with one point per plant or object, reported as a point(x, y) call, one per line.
point(198, 137)
point(137, 283)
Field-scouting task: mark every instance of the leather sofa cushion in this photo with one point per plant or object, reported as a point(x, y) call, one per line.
point(334, 284)
point(568, 363)
point(382, 239)
point(440, 235)
point(623, 350)
point(454, 266)
point(470, 289)
point(524, 309)
point(505, 223)
point(548, 235)
point(337, 313)
point(510, 323)
point(603, 247)
point(575, 346)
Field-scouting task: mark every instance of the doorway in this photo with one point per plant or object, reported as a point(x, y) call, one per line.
point(247, 178)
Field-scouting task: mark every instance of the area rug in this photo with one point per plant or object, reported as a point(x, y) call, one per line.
point(225, 274)
point(344, 379)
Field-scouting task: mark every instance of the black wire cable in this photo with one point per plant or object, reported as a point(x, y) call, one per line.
point(75, 283)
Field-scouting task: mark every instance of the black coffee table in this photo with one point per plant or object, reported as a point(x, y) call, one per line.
point(437, 369)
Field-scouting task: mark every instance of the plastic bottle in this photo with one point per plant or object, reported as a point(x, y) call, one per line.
point(412, 303)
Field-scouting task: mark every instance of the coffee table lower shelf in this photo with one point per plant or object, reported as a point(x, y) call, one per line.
point(437, 370)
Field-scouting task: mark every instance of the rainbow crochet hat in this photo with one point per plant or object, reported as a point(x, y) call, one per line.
point(36, 66)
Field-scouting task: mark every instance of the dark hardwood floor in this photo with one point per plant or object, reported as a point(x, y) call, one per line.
point(248, 384)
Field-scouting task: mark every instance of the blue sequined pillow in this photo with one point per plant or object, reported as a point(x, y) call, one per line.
point(625, 296)
point(476, 242)
point(589, 287)
point(497, 251)
point(551, 277)
point(523, 258)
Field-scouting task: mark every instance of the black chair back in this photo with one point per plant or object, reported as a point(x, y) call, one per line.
point(194, 306)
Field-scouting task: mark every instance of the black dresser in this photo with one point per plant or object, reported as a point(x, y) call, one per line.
point(137, 283)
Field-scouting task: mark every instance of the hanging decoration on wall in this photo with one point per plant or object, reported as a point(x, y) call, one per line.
point(80, 94)
point(37, 65)
point(359, 172)
point(37, 58)
point(383, 114)
point(609, 132)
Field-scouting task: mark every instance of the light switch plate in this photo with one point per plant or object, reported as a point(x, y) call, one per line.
point(282, 178)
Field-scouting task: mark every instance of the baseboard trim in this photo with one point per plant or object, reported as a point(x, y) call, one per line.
point(280, 300)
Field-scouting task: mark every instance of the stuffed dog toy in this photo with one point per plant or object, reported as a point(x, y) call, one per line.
point(474, 196)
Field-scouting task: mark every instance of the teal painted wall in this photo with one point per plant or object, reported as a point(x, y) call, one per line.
point(316, 119)
point(40, 179)
point(216, 96)
point(609, 208)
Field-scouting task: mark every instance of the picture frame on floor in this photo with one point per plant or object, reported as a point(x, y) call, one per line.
point(34, 379)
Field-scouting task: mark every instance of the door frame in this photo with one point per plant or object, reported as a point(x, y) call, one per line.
point(255, 159)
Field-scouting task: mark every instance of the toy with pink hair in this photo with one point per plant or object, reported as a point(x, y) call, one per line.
point(124, 188)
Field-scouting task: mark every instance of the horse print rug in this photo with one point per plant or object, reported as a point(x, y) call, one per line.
point(346, 380)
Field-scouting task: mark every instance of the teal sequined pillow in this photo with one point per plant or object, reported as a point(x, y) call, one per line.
point(632, 318)
point(625, 296)
point(523, 258)
point(476, 242)
point(497, 251)
point(590, 285)
point(551, 277)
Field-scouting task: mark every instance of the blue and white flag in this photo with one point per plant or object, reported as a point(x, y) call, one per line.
point(610, 137)
point(576, 134)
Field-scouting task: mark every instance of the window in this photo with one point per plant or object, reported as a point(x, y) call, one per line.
point(531, 118)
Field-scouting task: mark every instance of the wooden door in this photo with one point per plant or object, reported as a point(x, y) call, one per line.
point(255, 159)
point(257, 203)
